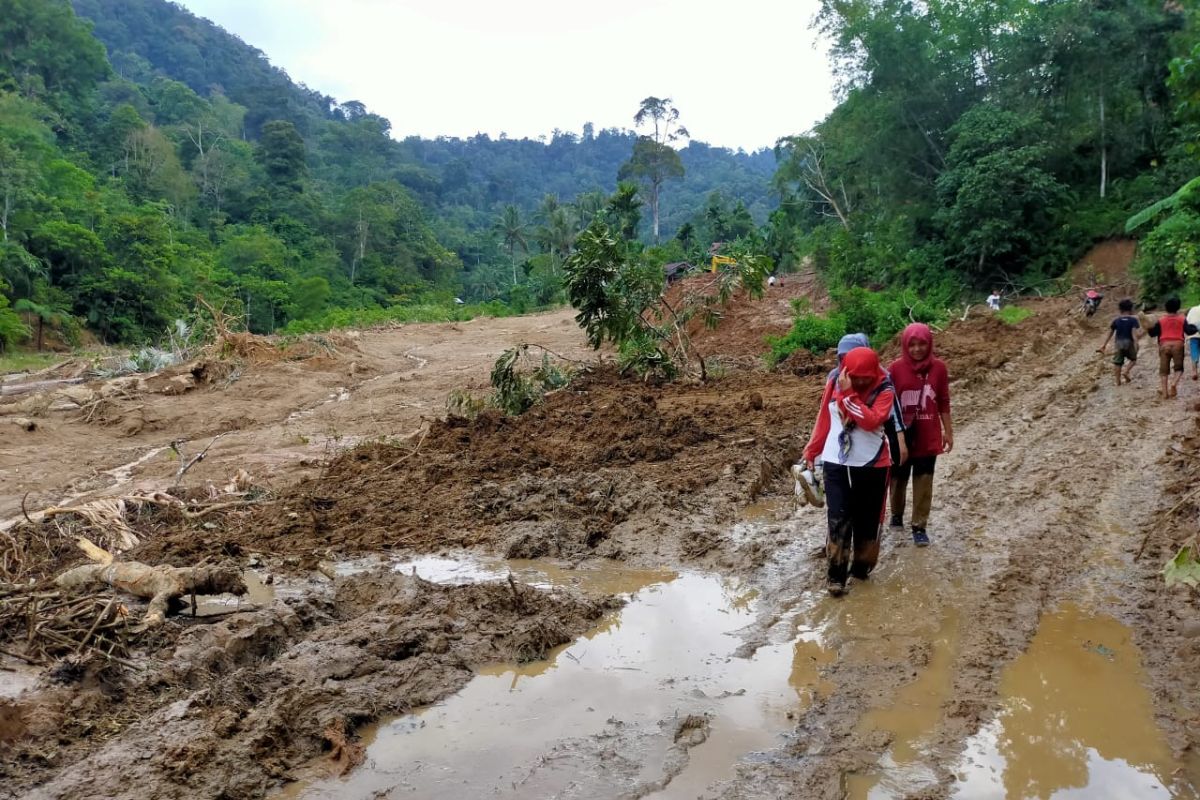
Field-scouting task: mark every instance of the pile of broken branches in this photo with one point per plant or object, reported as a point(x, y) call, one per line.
point(48, 624)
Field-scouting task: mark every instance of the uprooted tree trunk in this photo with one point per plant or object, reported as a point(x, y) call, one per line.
point(160, 584)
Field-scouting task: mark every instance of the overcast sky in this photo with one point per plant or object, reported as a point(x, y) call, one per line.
point(742, 74)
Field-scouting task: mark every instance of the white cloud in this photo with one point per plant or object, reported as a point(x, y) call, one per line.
point(742, 74)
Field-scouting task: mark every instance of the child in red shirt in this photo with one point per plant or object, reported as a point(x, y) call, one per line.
point(923, 386)
point(1171, 329)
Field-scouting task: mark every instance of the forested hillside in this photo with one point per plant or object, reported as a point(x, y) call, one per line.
point(148, 157)
point(981, 142)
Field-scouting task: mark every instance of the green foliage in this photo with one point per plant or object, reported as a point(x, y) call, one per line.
point(643, 354)
point(1169, 256)
point(194, 167)
point(999, 201)
point(12, 329)
point(608, 302)
point(25, 361)
point(1184, 568)
point(514, 391)
point(880, 315)
point(815, 333)
point(1188, 196)
point(619, 296)
point(1011, 315)
point(986, 141)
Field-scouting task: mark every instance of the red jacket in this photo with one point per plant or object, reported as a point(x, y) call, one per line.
point(853, 407)
point(924, 397)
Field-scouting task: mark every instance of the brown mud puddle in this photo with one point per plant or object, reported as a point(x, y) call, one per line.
point(1076, 721)
point(651, 703)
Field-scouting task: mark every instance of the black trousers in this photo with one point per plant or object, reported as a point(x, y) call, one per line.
point(854, 502)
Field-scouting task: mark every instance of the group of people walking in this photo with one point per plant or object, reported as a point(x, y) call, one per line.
point(1174, 332)
point(877, 431)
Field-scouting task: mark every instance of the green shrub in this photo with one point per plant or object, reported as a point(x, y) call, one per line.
point(1167, 257)
point(880, 315)
point(642, 355)
point(810, 331)
point(1011, 315)
point(516, 392)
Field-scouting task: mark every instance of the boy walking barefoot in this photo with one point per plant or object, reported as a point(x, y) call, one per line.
point(1126, 329)
point(923, 384)
point(1171, 329)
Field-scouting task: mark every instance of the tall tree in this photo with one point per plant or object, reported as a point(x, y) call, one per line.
point(512, 230)
point(654, 161)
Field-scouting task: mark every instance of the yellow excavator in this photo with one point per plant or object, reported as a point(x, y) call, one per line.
point(719, 260)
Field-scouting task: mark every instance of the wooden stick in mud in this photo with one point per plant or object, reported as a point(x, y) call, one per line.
point(195, 459)
point(1174, 508)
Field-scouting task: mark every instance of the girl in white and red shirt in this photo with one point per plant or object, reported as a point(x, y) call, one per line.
point(849, 438)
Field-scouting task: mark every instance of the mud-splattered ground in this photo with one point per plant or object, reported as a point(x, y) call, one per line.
point(929, 680)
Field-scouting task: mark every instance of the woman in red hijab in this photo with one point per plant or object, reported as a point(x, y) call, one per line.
point(923, 385)
point(849, 439)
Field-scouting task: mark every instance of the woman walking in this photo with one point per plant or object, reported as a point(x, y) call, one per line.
point(849, 439)
point(923, 384)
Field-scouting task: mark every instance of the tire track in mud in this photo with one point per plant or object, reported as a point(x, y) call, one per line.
point(1052, 475)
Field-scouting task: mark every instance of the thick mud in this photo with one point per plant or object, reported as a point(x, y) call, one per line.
point(1032, 650)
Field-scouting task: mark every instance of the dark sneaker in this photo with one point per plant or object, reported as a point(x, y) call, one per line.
point(920, 537)
point(897, 522)
point(836, 589)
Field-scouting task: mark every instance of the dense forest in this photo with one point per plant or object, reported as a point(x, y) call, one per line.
point(147, 157)
point(989, 142)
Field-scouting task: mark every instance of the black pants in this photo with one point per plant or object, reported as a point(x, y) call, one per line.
point(854, 498)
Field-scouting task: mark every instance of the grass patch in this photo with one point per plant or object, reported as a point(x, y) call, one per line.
point(1011, 315)
point(22, 361)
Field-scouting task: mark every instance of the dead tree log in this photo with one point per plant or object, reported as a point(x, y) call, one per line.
point(161, 584)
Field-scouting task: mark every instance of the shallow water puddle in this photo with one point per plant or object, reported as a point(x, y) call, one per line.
point(1077, 721)
point(604, 716)
point(911, 718)
point(258, 595)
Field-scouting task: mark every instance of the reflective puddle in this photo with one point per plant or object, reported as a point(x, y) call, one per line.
point(1077, 722)
point(258, 595)
point(650, 703)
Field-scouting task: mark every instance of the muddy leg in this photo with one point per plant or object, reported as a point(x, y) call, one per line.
point(841, 527)
point(870, 493)
point(922, 490)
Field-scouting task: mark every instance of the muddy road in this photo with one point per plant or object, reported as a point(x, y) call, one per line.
point(614, 596)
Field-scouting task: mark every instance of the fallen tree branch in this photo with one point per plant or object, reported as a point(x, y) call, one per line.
point(407, 456)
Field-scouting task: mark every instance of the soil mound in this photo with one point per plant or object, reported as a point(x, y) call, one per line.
point(746, 321)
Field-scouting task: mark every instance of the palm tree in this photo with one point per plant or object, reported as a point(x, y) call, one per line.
point(587, 206)
point(513, 231)
point(559, 233)
point(624, 209)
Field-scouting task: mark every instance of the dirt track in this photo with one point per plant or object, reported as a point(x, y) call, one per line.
point(1056, 476)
